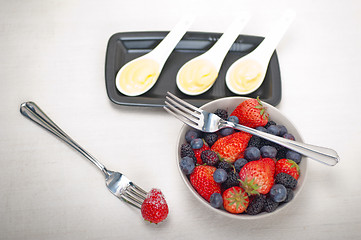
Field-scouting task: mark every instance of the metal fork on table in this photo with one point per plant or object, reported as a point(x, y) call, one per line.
point(210, 122)
point(117, 183)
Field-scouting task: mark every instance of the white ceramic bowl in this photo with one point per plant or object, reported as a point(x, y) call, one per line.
point(230, 103)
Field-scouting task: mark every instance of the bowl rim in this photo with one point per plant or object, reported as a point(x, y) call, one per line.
point(185, 179)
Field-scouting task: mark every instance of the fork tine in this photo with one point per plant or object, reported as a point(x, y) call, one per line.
point(196, 114)
point(134, 195)
point(180, 101)
point(178, 114)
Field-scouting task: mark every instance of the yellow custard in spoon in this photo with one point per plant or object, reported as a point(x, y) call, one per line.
point(138, 76)
point(197, 76)
point(246, 75)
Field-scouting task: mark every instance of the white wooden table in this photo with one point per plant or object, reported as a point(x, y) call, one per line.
point(53, 53)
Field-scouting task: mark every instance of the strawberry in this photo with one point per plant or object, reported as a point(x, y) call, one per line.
point(271, 163)
point(231, 147)
point(202, 180)
point(198, 152)
point(235, 200)
point(288, 166)
point(154, 208)
point(251, 113)
point(256, 177)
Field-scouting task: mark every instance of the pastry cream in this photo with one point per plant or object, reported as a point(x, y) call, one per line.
point(138, 76)
point(246, 76)
point(197, 76)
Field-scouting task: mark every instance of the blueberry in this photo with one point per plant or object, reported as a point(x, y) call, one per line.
point(220, 175)
point(216, 200)
point(274, 130)
point(192, 134)
point(278, 193)
point(289, 136)
point(239, 163)
point(268, 152)
point(290, 195)
point(226, 131)
point(295, 156)
point(187, 165)
point(262, 129)
point(197, 143)
point(233, 119)
point(252, 154)
point(283, 130)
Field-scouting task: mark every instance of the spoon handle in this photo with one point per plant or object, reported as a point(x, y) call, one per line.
point(167, 45)
point(34, 113)
point(269, 44)
point(220, 49)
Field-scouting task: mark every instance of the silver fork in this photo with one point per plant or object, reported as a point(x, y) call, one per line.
point(209, 122)
point(117, 183)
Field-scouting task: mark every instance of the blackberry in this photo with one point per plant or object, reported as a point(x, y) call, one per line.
point(225, 166)
point(287, 180)
point(210, 138)
point(281, 153)
point(222, 113)
point(209, 157)
point(289, 195)
point(187, 151)
point(232, 180)
point(270, 205)
point(256, 205)
point(269, 123)
point(255, 141)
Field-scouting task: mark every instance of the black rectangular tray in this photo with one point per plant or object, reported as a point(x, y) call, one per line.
point(126, 46)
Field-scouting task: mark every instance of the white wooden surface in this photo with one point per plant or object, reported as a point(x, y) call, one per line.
point(53, 53)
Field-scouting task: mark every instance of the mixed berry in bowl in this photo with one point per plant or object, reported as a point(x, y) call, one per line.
point(236, 173)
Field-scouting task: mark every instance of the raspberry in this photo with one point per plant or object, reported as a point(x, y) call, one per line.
point(209, 157)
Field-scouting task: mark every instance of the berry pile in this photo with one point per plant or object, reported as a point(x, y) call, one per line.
point(238, 172)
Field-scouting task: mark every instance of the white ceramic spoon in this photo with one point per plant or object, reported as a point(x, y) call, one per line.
point(138, 80)
point(252, 68)
point(214, 56)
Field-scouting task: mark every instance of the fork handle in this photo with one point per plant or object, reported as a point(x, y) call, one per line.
point(324, 155)
point(34, 113)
